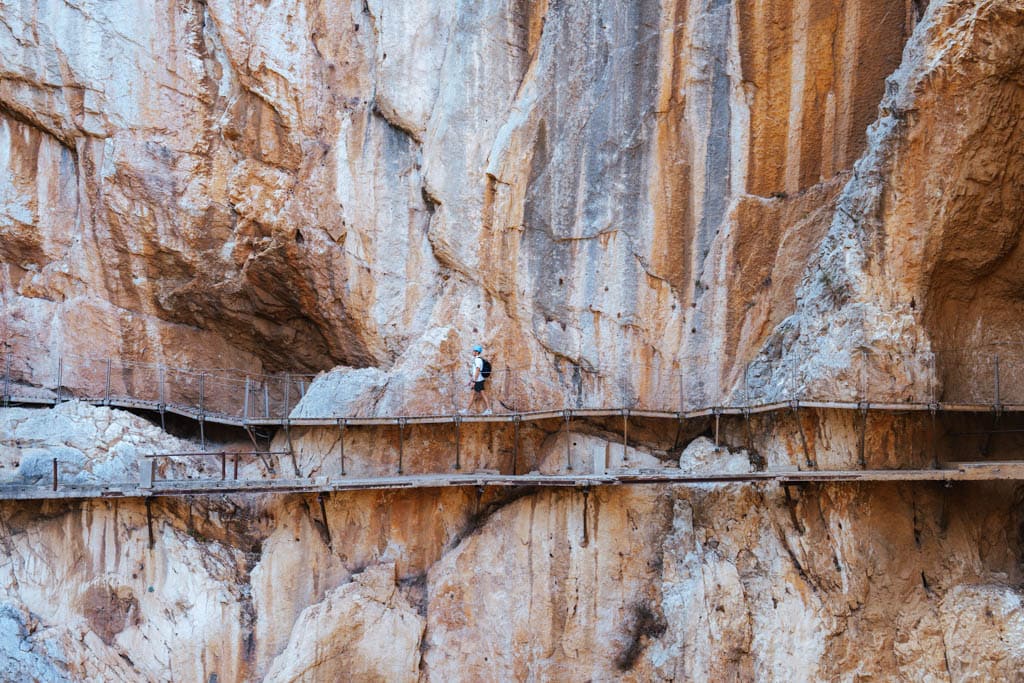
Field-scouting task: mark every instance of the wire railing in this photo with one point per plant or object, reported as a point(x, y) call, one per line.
point(983, 376)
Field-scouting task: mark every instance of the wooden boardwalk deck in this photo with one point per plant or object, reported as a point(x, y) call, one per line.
point(194, 413)
point(951, 472)
point(225, 485)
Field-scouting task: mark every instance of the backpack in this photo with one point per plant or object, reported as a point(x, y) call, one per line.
point(485, 371)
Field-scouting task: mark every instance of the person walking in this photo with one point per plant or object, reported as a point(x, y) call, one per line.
point(479, 372)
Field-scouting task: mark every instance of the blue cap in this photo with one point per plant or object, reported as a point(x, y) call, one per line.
point(478, 348)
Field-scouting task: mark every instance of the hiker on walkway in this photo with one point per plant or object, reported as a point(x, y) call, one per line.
point(480, 370)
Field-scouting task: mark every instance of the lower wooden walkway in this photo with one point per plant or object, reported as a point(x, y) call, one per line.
point(951, 472)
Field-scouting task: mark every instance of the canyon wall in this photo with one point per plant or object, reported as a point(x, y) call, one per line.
point(685, 202)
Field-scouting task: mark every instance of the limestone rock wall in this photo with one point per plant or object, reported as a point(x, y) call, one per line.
point(621, 201)
point(633, 190)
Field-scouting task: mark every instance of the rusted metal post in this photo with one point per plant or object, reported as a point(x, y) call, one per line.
point(341, 443)
point(236, 467)
point(568, 439)
point(55, 474)
point(586, 508)
point(223, 466)
point(106, 385)
point(718, 415)
point(149, 518)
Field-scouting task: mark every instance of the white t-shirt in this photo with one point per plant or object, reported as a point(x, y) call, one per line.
point(478, 364)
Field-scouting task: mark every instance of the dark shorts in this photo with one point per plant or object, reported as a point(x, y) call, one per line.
point(478, 386)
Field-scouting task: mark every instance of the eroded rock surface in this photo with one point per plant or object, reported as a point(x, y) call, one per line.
point(627, 204)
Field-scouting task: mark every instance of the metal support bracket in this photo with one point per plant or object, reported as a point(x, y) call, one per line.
point(679, 430)
point(794, 406)
point(341, 443)
point(458, 454)
point(567, 415)
point(933, 410)
point(401, 441)
point(286, 424)
point(323, 517)
point(862, 408)
point(625, 435)
point(517, 420)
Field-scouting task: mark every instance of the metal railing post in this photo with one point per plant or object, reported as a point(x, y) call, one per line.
point(516, 420)
point(287, 394)
point(55, 474)
point(401, 442)
point(746, 384)
point(998, 403)
point(202, 394)
point(60, 376)
point(682, 402)
point(863, 376)
point(245, 401)
point(106, 384)
point(266, 397)
point(162, 391)
point(7, 378)
point(455, 391)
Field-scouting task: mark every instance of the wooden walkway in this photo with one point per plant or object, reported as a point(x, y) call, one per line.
point(951, 472)
point(196, 414)
point(226, 485)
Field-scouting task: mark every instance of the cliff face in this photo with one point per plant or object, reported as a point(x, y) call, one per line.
point(627, 200)
point(725, 582)
point(292, 187)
